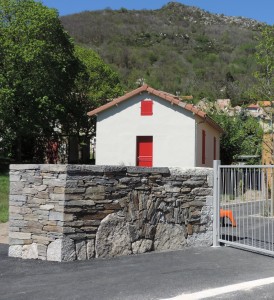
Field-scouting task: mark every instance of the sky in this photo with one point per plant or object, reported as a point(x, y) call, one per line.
point(261, 10)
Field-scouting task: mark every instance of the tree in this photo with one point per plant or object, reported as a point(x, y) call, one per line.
point(242, 136)
point(37, 72)
point(263, 88)
point(95, 85)
point(264, 55)
point(103, 83)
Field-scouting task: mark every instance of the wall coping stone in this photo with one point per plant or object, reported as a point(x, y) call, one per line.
point(115, 169)
point(109, 168)
point(190, 171)
point(161, 170)
point(95, 169)
point(24, 166)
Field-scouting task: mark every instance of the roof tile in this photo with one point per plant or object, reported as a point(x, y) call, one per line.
point(166, 96)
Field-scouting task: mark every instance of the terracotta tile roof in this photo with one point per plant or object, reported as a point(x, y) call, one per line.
point(265, 103)
point(174, 100)
point(253, 106)
point(223, 103)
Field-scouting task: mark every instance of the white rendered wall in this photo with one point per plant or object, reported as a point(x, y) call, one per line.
point(172, 128)
point(209, 144)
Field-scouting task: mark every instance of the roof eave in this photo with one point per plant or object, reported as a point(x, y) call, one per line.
point(118, 100)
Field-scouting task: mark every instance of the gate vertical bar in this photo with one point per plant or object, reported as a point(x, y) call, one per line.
point(216, 204)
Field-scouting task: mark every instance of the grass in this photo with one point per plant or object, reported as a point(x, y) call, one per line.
point(4, 197)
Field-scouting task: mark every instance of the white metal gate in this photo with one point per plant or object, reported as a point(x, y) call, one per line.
point(244, 207)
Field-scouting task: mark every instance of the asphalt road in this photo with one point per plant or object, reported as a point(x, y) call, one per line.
point(148, 276)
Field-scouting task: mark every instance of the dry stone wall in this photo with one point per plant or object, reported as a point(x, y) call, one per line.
point(79, 212)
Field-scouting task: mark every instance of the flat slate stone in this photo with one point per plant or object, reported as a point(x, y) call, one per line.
point(24, 166)
point(160, 170)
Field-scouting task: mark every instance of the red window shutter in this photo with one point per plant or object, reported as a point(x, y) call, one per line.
point(146, 108)
point(203, 146)
point(215, 149)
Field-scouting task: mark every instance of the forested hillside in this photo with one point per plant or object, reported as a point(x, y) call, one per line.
point(180, 49)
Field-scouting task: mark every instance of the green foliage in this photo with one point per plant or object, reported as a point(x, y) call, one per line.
point(243, 136)
point(37, 71)
point(47, 86)
point(95, 84)
point(4, 197)
point(103, 83)
point(264, 55)
point(176, 48)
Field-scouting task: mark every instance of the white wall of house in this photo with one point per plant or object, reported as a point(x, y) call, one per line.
point(173, 130)
point(209, 143)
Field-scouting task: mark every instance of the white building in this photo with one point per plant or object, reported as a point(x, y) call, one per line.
point(147, 127)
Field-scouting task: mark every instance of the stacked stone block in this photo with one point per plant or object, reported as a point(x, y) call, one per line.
point(68, 212)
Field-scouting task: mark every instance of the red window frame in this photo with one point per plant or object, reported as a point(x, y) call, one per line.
point(203, 146)
point(146, 108)
point(215, 148)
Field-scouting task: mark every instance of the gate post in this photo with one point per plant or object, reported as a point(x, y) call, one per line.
point(216, 203)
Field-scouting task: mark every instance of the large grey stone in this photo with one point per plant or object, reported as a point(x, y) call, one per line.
point(15, 251)
point(203, 239)
point(54, 251)
point(142, 246)
point(68, 250)
point(81, 250)
point(30, 251)
point(169, 237)
point(61, 250)
point(113, 237)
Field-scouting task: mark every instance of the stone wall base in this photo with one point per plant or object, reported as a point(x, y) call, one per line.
point(78, 212)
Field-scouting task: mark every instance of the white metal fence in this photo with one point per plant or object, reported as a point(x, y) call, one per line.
point(244, 207)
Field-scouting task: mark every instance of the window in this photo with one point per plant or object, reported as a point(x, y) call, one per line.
point(203, 146)
point(215, 148)
point(146, 108)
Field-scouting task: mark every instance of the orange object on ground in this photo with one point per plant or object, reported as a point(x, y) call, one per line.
point(228, 214)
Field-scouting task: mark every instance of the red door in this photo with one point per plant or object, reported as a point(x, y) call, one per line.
point(144, 151)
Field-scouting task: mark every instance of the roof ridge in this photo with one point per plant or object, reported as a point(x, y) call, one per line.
point(166, 96)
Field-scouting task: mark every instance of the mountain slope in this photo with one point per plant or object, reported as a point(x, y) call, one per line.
point(179, 49)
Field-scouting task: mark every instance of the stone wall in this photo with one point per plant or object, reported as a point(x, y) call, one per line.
point(69, 212)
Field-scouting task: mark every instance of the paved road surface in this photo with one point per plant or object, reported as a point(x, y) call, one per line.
point(253, 228)
point(147, 276)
